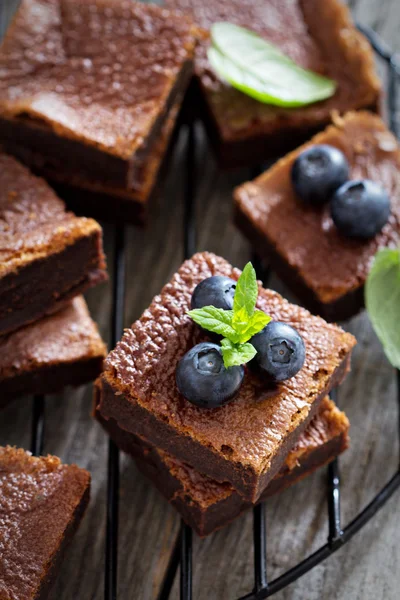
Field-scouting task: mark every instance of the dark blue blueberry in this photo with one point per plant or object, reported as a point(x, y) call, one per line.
point(318, 172)
point(217, 291)
point(202, 378)
point(280, 351)
point(360, 208)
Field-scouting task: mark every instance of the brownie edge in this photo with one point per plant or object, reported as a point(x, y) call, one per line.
point(63, 349)
point(42, 502)
point(51, 281)
point(131, 416)
point(207, 505)
point(47, 255)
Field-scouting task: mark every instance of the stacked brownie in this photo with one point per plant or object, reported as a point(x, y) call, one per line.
point(89, 96)
point(316, 35)
point(206, 504)
point(48, 258)
point(214, 463)
point(41, 505)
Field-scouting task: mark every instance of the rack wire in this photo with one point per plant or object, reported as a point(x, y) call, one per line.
point(181, 554)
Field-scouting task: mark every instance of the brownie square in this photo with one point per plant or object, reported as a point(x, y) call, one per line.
point(48, 255)
point(111, 73)
point(317, 35)
point(207, 505)
point(245, 442)
point(324, 268)
point(57, 351)
point(41, 505)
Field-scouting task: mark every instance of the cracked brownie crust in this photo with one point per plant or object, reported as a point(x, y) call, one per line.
point(41, 505)
point(244, 442)
point(65, 68)
point(87, 90)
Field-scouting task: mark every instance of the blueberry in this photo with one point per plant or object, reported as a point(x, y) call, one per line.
point(202, 378)
point(360, 208)
point(217, 291)
point(318, 172)
point(280, 351)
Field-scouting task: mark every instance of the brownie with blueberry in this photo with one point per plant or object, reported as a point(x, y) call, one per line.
point(239, 431)
point(47, 255)
point(98, 114)
point(42, 502)
point(319, 215)
point(63, 349)
point(207, 505)
point(316, 35)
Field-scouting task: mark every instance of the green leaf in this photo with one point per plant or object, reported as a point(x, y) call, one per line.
point(240, 320)
point(237, 326)
point(255, 324)
point(236, 354)
point(245, 298)
point(216, 320)
point(382, 299)
point(260, 70)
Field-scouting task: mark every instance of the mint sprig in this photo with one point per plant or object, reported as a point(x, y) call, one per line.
point(237, 326)
point(236, 354)
point(246, 292)
point(259, 69)
point(382, 299)
point(216, 320)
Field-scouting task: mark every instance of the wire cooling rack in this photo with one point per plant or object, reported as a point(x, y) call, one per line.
point(181, 554)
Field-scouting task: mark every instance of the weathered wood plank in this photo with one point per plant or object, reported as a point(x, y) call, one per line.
point(365, 569)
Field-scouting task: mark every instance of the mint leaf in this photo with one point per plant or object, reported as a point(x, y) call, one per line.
point(260, 70)
point(382, 299)
point(236, 326)
point(240, 320)
point(236, 354)
point(245, 298)
point(255, 324)
point(216, 320)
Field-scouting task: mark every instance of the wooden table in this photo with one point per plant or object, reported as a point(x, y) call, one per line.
point(367, 568)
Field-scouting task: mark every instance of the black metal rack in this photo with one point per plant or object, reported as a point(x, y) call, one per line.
point(181, 554)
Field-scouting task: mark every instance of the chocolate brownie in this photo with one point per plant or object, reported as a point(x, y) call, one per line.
point(133, 206)
point(87, 86)
point(244, 442)
point(323, 267)
point(207, 505)
point(317, 35)
point(44, 357)
point(47, 255)
point(41, 505)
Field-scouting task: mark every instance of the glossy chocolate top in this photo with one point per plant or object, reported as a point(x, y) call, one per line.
point(317, 35)
point(38, 497)
point(328, 424)
point(95, 70)
point(33, 221)
point(330, 263)
point(251, 428)
point(66, 336)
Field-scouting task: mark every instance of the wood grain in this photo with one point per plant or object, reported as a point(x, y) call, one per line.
point(367, 568)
